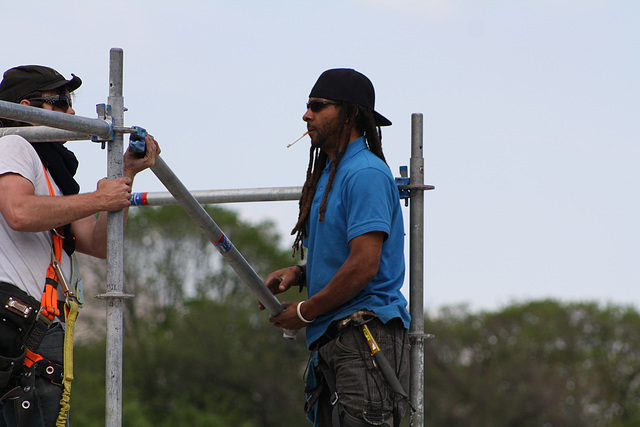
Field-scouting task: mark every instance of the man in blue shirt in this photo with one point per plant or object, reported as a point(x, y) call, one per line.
point(350, 221)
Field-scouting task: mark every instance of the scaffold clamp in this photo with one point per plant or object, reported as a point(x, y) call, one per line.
point(136, 140)
point(404, 186)
point(104, 113)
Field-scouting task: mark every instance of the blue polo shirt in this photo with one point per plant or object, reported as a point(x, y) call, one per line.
point(363, 198)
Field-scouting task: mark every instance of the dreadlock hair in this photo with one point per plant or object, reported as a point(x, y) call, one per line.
point(349, 116)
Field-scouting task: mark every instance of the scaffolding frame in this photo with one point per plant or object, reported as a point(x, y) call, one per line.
point(109, 129)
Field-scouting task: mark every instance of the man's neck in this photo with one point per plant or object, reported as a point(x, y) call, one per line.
point(354, 135)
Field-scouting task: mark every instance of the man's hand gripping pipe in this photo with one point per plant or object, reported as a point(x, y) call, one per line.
point(217, 237)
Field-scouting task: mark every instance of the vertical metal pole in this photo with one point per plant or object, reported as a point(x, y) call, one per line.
point(115, 236)
point(416, 264)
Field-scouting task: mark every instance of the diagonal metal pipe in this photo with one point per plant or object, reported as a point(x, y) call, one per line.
point(222, 243)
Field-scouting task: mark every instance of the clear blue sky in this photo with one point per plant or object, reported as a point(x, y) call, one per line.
point(531, 115)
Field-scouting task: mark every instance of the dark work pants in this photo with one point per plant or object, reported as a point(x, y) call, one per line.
point(362, 390)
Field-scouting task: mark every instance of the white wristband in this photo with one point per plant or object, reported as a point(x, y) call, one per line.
point(300, 314)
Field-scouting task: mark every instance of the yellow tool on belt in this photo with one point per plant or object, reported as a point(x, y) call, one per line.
point(387, 371)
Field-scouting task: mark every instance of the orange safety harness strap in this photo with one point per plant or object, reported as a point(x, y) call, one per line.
point(35, 364)
point(49, 303)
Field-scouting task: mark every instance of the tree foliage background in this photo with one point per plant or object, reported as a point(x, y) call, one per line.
point(198, 352)
point(540, 363)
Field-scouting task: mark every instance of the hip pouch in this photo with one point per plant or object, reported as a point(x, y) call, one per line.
point(18, 314)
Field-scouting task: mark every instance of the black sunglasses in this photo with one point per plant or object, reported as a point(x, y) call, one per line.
point(316, 105)
point(60, 101)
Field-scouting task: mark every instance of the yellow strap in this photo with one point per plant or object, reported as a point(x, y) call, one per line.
point(68, 361)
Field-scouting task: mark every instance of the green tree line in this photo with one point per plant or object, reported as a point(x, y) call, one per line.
point(540, 363)
point(198, 352)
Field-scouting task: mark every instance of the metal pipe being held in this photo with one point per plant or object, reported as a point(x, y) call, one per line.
point(219, 240)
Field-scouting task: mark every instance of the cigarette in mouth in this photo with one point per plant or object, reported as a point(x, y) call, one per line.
point(301, 136)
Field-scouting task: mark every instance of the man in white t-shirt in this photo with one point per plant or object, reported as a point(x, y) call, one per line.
point(29, 174)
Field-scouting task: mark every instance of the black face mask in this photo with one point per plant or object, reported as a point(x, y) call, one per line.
point(61, 163)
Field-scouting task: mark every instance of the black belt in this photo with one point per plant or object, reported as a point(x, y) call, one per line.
point(336, 328)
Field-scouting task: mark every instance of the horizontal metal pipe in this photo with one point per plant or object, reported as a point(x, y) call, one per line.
point(44, 134)
point(25, 113)
point(221, 196)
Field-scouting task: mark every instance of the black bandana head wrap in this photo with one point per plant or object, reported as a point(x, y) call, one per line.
point(61, 163)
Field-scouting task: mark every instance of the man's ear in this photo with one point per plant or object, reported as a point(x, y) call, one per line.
point(25, 102)
point(357, 114)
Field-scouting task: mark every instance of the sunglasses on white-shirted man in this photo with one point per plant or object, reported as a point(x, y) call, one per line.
point(61, 101)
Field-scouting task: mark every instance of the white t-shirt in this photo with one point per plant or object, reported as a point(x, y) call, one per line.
point(25, 256)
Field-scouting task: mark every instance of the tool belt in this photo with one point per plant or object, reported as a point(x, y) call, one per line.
point(18, 312)
point(21, 331)
point(338, 326)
